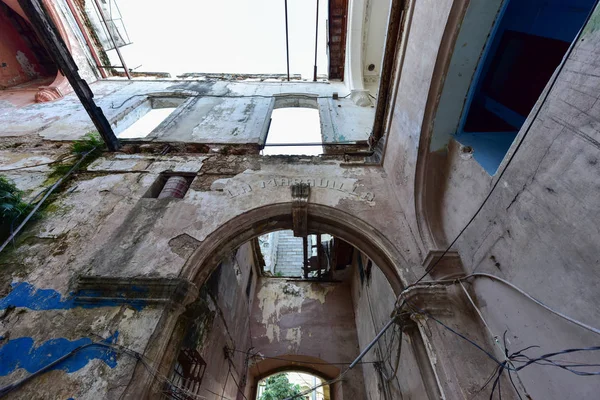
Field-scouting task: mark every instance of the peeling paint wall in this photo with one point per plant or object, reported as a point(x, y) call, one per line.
point(18, 64)
point(100, 224)
point(222, 321)
point(316, 319)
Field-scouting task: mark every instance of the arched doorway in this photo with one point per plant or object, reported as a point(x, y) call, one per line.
point(310, 367)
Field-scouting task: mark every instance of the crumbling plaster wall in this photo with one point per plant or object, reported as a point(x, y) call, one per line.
point(236, 184)
point(225, 323)
point(18, 64)
point(40, 320)
point(227, 112)
point(538, 229)
point(102, 225)
point(424, 36)
point(78, 46)
point(316, 319)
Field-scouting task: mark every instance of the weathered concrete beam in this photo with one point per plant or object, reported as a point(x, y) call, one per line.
point(48, 34)
point(394, 33)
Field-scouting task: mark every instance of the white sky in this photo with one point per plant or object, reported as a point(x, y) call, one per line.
point(294, 125)
point(243, 36)
point(146, 124)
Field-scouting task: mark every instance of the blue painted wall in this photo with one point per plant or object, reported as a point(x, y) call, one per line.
point(555, 19)
point(22, 353)
point(25, 295)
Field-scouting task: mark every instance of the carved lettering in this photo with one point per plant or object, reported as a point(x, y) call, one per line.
point(324, 183)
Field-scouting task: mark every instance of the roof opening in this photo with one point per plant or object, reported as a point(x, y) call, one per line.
point(146, 124)
point(145, 117)
point(294, 131)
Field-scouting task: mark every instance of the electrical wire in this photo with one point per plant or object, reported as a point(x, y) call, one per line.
point(545, 96)
point(230, 361)
point(225, 384)
point(495, 340)
point(518, 356)
point(512, 286)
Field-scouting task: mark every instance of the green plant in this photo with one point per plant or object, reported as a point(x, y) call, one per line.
point(279, 387)
point(12, 206)
point(90, 142)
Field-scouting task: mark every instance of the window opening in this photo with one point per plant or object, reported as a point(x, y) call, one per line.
point(186, 377)
point(525, 48)
point(146, 117)
point(284, 255)
point(294, 131)
point(170, 185)
point(146, 124)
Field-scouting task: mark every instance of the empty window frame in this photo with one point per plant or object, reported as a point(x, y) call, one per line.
point(145, 117)
point(526, 46)
point(295, 127)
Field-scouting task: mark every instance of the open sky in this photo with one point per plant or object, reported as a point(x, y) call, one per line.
point(236, 36)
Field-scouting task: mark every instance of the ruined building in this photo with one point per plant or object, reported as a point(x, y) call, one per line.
point(443, 223)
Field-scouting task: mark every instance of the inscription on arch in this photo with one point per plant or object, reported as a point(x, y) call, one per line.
point(317, 183)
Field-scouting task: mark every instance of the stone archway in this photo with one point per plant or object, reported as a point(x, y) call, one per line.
point(240, 229)
point(275, 217)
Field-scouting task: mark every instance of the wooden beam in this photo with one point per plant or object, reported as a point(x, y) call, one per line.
point(305, 254)
point(48, 34)
point(319, 255)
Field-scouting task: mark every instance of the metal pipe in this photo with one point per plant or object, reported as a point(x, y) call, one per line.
point(308, 144)
point(112, 39)
point(287, 42)
point(316, 42)
point(366, 350)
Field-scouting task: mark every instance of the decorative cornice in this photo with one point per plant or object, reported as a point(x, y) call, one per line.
point(47, 93)
point(448, 267)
